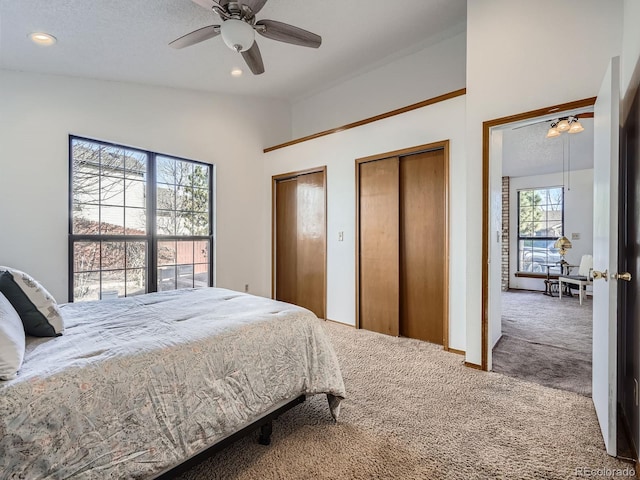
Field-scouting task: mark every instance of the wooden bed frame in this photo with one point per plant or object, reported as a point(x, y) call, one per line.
point(265, 424)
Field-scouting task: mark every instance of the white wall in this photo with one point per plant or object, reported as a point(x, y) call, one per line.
point(578, 218)
point(630, 43)
point(513, 67)
point(38, 112)
point(430, 72)
point(339, 152)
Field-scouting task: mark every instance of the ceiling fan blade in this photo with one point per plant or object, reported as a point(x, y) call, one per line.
point(208, 4)
point(254, 5)
point(253, 58)
point(197, 36)
point(283, 32)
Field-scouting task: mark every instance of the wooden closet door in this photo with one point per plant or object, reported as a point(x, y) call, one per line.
point(300, 243)
point(423, 259)
point(379, 246)
point(311, 243)
point(286, 239)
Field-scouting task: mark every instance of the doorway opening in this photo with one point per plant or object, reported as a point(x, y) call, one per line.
point(492, 221)
point(540, 331)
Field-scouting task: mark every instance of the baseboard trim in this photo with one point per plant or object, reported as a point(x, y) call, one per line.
point(454, 350)
point(339, 323)
point(473, 365)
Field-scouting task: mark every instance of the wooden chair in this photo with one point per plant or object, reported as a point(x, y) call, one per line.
point(581, 280)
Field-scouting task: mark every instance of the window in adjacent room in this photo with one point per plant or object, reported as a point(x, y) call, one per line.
point(140, 221)
point(540, 223)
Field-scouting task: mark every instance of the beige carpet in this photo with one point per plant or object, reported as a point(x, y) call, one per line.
point(415, 412)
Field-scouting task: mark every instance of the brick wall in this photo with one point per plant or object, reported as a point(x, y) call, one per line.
point(505, 234)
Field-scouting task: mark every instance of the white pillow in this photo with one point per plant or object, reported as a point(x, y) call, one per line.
point(36, 307)
point(12, 340)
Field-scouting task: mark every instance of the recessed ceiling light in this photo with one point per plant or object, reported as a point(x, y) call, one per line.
point(41, 38)
point(236, 72)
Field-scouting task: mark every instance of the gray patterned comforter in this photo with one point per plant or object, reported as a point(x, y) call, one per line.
point(139, 384)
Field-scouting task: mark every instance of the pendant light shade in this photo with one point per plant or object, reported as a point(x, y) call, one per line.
point(576, 127)
point(553, 132)
point(563, 125)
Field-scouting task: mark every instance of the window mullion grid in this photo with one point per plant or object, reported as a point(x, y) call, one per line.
point(151, 238)
point(152, 246)
point(212, 220)
point(101, 242)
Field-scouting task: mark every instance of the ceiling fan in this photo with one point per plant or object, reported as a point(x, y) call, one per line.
point(238, 27)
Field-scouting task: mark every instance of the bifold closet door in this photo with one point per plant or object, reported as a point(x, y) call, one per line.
point(423, 248)
point(286, 239)
point(379, 246)
point(311, 243)
point(300, 241)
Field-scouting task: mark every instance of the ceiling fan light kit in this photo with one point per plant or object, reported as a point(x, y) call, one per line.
point(567, 124)
point(238, 30)
point(237, 35)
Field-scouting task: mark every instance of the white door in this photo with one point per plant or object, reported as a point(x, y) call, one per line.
point(605, 251)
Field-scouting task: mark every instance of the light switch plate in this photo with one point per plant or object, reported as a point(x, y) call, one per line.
point(575, 236)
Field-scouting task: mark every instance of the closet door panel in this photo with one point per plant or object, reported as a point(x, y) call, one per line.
point(422, 245)
point(311, 242)
point(379, 246)
point(286, 240)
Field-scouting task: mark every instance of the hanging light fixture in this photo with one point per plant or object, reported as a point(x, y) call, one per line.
point(565, 124)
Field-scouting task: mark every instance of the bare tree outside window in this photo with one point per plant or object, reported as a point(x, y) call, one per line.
point(183, 205)
point(110, 218)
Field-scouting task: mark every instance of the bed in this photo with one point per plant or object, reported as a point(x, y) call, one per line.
point(138, 385)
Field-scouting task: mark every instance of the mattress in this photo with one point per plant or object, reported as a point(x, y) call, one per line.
point(139, 384)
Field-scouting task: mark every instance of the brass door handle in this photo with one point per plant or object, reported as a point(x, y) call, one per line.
point(626, 276)
point(598, 275)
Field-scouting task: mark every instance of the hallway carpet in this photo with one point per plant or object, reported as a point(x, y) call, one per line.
point(415, 412)
point(546, 340)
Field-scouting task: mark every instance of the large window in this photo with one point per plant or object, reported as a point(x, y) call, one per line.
point(540, 223)
point(140, 221)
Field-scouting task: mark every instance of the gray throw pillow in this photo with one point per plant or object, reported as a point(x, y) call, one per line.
point(37, 308)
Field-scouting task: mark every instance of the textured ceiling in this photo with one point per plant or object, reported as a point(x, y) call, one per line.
point(526, 150)
point(126, 40)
